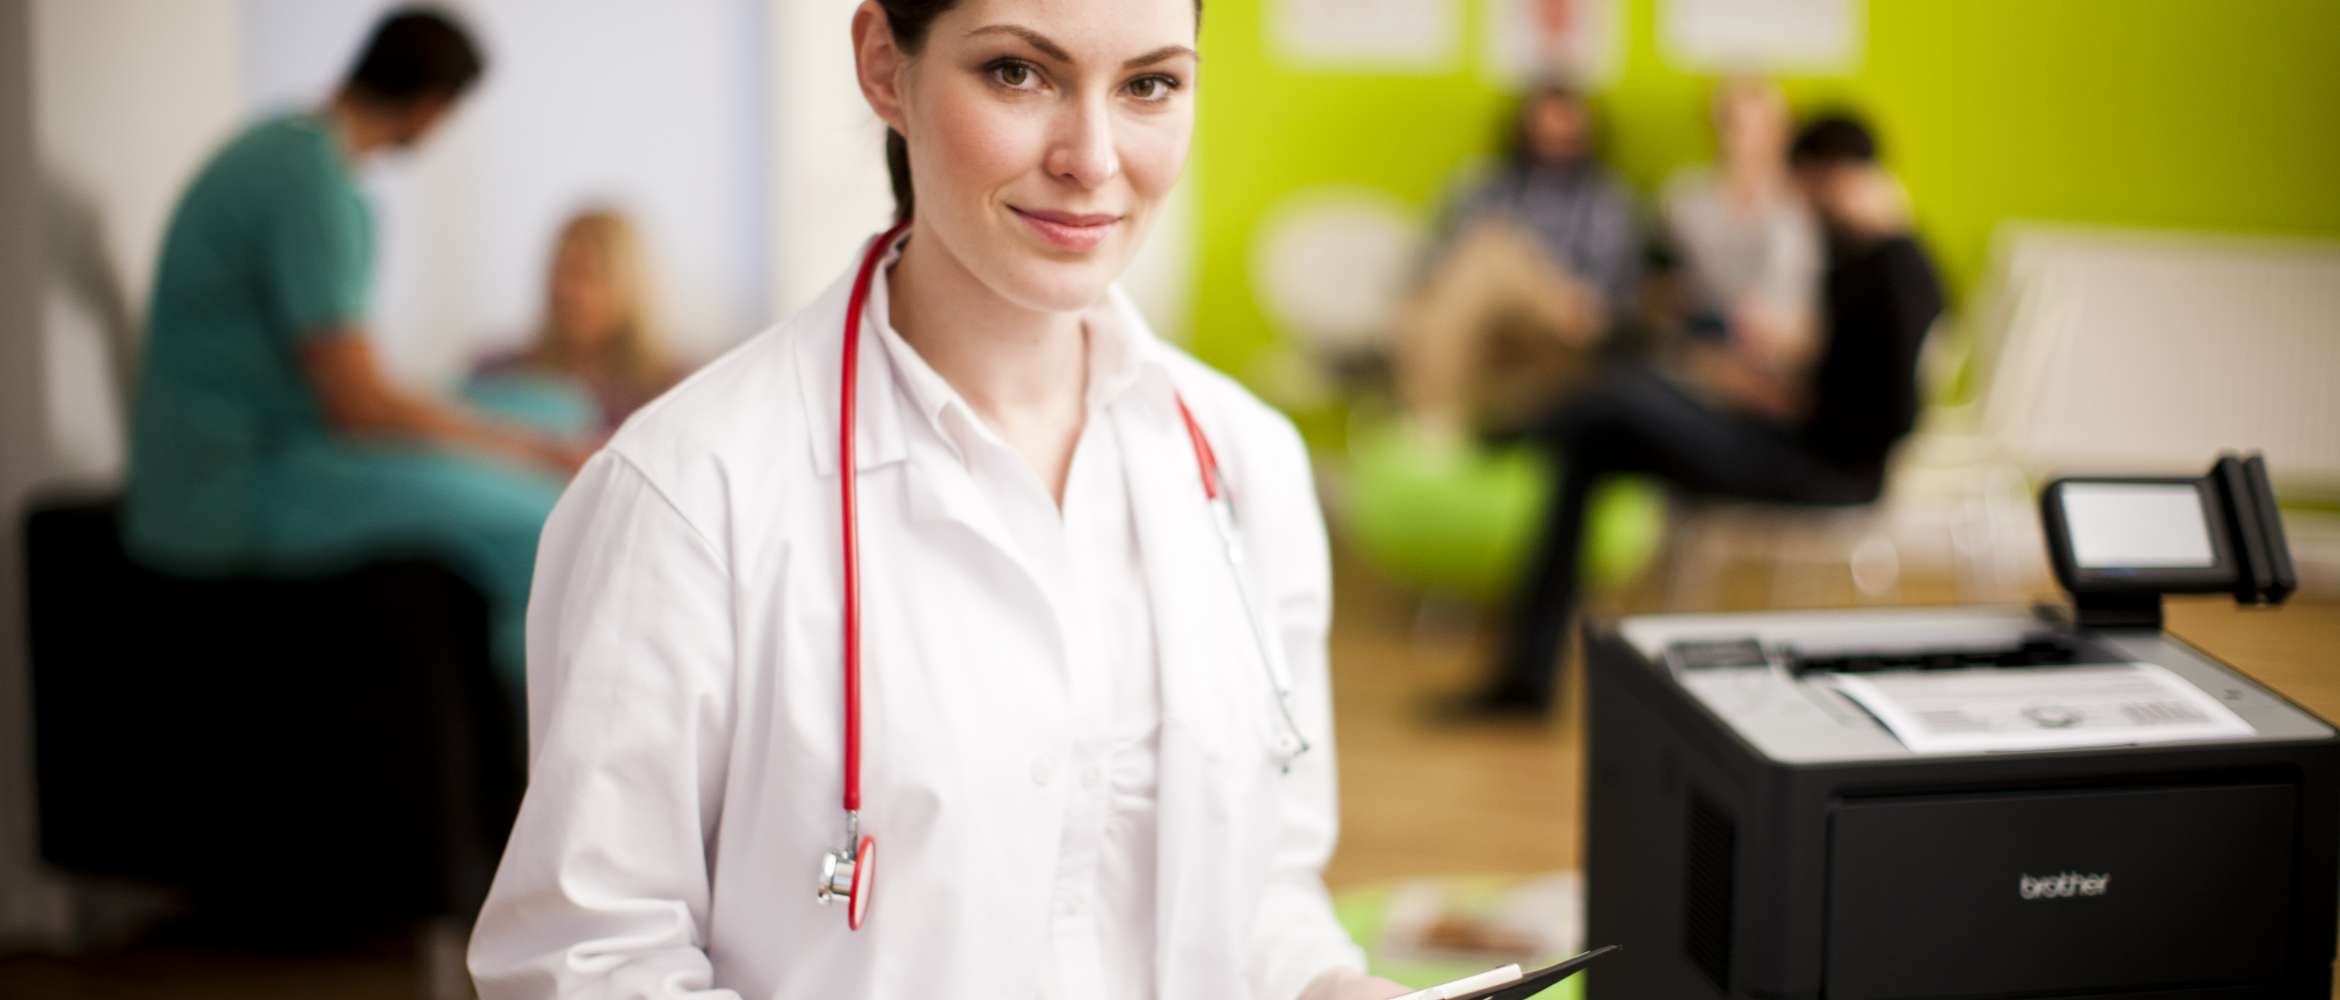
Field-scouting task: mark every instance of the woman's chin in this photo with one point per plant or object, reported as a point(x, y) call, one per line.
point(1055, 285)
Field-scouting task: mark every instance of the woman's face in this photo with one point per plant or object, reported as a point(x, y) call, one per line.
point(585, 305)
point(1043, 136)
point(1753, 121)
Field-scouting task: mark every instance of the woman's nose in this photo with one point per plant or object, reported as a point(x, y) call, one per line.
point(1081, 151)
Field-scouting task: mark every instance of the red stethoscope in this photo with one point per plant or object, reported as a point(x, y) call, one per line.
point(849, 872)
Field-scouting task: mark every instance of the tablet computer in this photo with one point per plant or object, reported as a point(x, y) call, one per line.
point(1540, 980)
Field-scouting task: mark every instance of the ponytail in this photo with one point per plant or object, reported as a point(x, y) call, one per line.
point(898, 171)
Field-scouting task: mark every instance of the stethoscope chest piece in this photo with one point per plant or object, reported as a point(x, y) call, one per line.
point(850, 876)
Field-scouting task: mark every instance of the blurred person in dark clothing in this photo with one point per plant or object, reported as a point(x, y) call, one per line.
point(1879, 297)
point(1539, 259)
point(267, 437)
point(598, 347)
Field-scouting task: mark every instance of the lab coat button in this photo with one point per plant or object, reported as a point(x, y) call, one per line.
point(1043, 771)
point(1091, 777)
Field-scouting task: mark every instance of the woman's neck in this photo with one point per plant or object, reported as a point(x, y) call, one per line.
point(1753, 184)
point(1023, 371)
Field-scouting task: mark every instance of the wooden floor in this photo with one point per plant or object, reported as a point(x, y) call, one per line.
point(1416, 799)
point(1420, 799)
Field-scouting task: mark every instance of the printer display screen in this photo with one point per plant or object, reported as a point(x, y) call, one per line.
point(2137, 526)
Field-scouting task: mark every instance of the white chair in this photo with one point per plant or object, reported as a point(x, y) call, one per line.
point(2087, 349)
point(2123, 350)
point(1943, 505)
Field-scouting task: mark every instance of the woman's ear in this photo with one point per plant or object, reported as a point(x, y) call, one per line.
point(877, 64)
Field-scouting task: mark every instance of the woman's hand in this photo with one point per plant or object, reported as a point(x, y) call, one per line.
point(1343, 984)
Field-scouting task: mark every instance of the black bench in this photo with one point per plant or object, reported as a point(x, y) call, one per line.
point(331, 749)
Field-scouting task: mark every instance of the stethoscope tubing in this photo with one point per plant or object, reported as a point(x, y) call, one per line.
point(847, 397)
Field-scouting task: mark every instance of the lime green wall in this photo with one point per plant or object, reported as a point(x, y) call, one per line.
point(2210, 114)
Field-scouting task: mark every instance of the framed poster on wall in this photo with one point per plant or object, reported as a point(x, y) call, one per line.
point(1577, 42)
point(1384, 36)
point(1768, 36)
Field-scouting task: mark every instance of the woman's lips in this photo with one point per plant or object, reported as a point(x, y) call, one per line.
point(1078, 233)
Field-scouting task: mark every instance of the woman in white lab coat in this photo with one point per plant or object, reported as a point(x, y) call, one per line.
point(1072, 753)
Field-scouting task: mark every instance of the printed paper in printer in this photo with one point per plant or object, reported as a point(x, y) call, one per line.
point(2039, 708)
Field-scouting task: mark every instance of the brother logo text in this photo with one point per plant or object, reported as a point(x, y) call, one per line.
point(2065, 886)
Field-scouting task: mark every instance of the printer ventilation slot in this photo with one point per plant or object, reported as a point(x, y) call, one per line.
point(1709, 862)
point(2034, 651)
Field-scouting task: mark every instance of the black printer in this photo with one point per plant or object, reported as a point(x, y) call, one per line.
point(1971, 802)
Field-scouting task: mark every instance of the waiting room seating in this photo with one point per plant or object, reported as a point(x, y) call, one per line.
point(311, 751)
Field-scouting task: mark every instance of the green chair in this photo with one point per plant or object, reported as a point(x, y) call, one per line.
point(1460, 520)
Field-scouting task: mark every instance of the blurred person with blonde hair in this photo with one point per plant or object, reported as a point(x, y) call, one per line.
point(1747, 254)
point(598, 336)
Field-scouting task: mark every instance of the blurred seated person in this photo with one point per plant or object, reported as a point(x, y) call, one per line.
point(1531, 270)
point(267, 436)
point(1747, 251)
point(1880, 296)
point(596, 357)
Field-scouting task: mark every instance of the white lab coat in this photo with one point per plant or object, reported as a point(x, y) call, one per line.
point(685, 717)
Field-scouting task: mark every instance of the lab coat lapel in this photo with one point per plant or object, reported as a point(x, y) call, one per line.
point(885, 435)
point(1176, 542)
point(1193, 618)
point(882, 434)
point(936, 494)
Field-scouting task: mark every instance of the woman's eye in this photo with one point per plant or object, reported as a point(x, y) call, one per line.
point(1152, 88)
point(1012, 75)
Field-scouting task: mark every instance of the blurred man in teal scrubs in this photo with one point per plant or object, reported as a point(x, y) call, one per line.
point(267, 437)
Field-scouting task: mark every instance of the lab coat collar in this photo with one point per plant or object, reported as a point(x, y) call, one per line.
point(1125, 354)
point(877, 434)
point(1117, 359)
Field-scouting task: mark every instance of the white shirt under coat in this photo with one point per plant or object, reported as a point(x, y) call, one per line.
point(1067, 733)
point(1086, 554)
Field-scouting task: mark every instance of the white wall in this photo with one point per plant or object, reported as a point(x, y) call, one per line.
point(22, 906)
point(828, 152)
point(106, 107)
point(657, 107)
point(128, 97)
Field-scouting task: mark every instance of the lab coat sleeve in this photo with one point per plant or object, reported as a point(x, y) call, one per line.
point(1294, 935)
point(603, 889)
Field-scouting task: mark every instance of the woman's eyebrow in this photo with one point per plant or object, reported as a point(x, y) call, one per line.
point(1057, 52)
point(1165, 52)
point(1034, 38)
